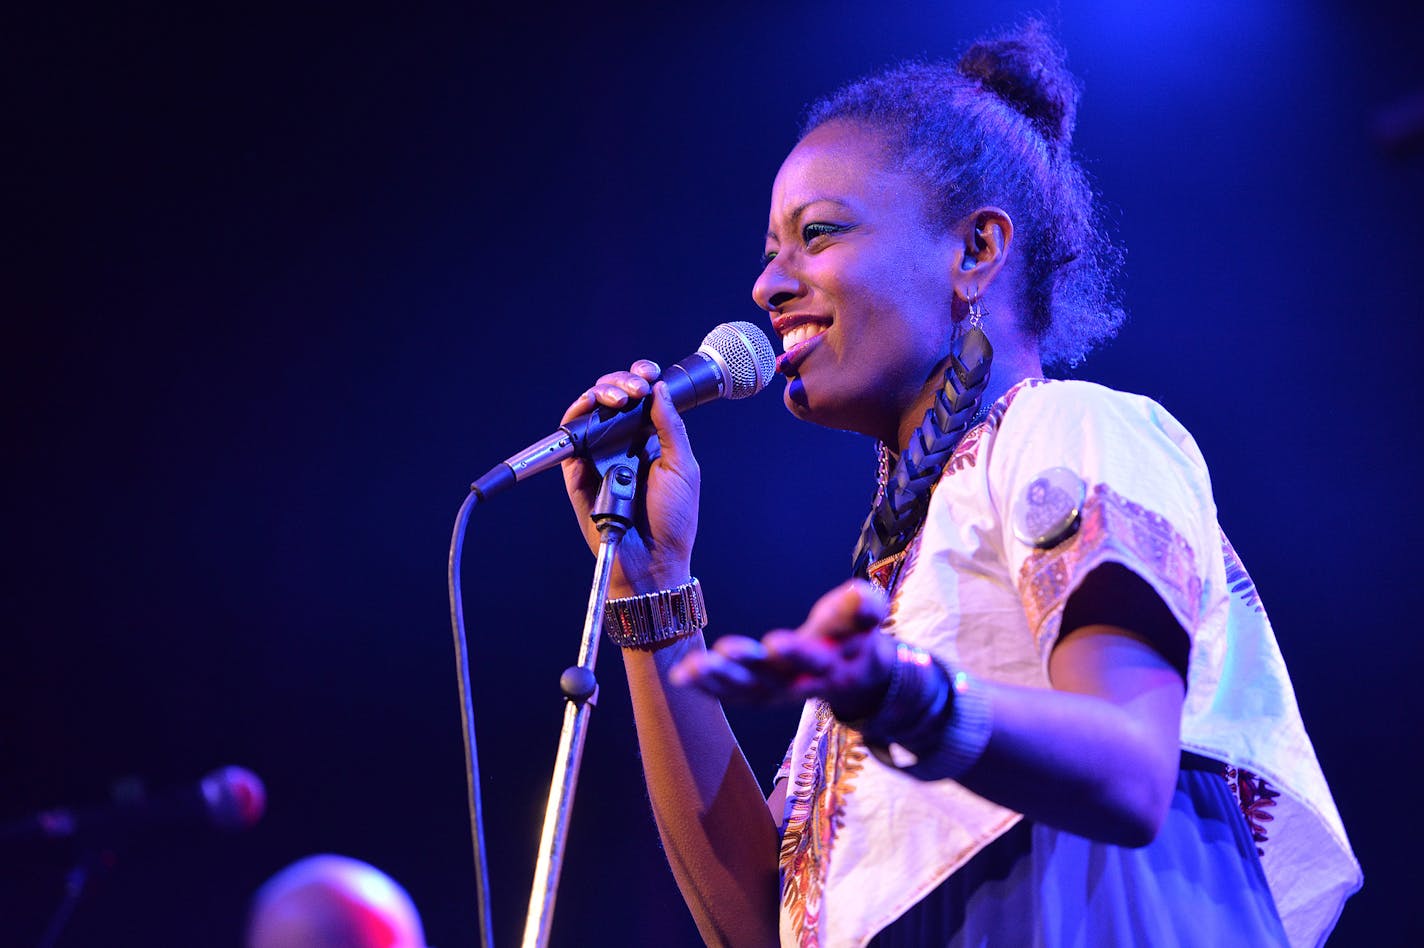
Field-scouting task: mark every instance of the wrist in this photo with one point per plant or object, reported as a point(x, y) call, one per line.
point(651, 621)
point(624, 584)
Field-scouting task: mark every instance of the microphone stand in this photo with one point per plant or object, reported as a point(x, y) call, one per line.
point(613, 514)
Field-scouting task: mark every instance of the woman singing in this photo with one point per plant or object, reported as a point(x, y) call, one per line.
point(1049, 708)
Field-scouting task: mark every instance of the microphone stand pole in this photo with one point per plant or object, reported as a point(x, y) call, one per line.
point(613, 513)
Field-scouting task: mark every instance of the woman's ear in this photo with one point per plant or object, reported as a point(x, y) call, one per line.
point(985, 234)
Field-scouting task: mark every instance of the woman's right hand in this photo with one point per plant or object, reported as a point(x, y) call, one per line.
point(656, 553)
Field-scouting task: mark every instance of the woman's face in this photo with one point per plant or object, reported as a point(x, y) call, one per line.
point(857, 282)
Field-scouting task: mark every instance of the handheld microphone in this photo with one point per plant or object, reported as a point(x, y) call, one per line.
point(230, 798)
point(734, 361)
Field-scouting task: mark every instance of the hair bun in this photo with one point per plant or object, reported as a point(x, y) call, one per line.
point(1027, 69)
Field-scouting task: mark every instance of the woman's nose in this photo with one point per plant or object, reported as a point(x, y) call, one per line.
point(776, 286)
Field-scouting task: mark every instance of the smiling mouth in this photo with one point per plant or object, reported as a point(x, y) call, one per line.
point(796, 343)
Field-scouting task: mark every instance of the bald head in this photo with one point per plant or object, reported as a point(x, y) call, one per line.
point(333, 902)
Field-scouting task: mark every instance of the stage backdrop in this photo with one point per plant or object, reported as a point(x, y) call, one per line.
point(280, 281)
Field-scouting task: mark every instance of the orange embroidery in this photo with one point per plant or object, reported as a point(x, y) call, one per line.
point(1047, 576)
point(818, 791)
point(1256, 799)
point(967, 451)
point(884, 574)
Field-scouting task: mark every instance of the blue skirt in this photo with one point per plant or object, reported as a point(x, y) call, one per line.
point(1198, 883)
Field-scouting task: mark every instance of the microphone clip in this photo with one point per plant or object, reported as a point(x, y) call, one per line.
point(613, 509)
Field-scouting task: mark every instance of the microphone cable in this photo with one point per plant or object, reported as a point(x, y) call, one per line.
point(467, 719)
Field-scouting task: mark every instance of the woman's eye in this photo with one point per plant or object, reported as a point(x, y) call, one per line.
point(816, 229)
point(810, 233)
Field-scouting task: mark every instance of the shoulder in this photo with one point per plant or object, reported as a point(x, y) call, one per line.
point(1075, 408)
point(1104, 435)
point(1048, 395)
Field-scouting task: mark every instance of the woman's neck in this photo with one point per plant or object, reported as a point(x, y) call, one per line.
point(1012, 363)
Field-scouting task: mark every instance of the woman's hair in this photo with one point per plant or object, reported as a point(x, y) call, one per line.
point(995, 128)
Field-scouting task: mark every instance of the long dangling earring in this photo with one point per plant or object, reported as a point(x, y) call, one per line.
point(976, 310)
point(903, 484)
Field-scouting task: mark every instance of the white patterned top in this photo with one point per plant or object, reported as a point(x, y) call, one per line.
point(862, 842)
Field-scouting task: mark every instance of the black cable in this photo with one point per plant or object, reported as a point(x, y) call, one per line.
point(467, 717)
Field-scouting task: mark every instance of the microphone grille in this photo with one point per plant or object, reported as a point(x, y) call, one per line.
point(747, 353)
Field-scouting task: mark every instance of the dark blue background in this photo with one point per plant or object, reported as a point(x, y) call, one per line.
point(281, 281)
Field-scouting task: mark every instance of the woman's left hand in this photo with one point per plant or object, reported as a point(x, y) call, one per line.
point(838, 653)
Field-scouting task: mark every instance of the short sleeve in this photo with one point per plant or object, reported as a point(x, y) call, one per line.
point(1145, 500)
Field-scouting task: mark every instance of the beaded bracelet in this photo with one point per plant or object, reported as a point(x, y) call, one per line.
point(941, 718)
point(652, 620)
point(962, 739)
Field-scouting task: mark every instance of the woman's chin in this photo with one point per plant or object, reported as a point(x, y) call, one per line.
point(819, 411)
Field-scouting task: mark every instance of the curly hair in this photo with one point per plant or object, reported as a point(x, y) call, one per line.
point(996, 128)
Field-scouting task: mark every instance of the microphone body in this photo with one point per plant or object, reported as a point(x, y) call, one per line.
point(231, 798)
point(734, 361)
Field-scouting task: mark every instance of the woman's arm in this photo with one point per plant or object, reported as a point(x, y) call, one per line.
point(1096, 754)
point(718, 833)
point(716, 828)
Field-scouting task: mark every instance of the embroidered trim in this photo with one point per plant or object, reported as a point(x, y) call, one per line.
point(1048, 576)
point(817, 793)
point(1237, 579)
point(884, 574)
point(784, 771)
point(967, 452)
point(1256, 799)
